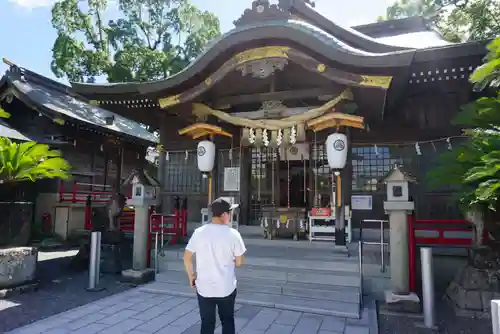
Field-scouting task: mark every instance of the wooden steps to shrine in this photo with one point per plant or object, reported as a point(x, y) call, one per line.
point(308, 278)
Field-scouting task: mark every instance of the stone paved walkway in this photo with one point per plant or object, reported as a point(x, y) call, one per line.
point(136, 312)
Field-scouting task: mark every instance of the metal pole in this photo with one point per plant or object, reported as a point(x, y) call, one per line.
point(162, 231)
point(360, 259)
point(382, 265)
point(98, 259)
point(495, 316)
point(156, 252)
point(93, 257)
point(428, 287)
point(94, 261)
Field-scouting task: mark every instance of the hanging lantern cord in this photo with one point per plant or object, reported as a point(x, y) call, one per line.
point(305, 181)
point(316, 151)
point(272, 175)
point(260, 174)
point(288, 184)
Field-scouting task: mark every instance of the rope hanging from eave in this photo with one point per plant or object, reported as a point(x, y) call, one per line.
point(201, 110)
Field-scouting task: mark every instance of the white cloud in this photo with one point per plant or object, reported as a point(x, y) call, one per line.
point(30, 4)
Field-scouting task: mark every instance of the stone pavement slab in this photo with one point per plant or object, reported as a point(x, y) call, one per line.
point(137, 312)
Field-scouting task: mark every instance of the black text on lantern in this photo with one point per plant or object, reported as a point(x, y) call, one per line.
point(339, 145)
point(201, 151)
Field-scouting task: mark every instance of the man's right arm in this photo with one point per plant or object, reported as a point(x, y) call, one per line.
point(239, 250)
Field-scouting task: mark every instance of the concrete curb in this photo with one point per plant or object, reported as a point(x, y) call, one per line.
point(245, 301)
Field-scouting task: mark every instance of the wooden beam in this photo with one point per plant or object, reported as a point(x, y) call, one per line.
point(201, 129)
point(282, 95)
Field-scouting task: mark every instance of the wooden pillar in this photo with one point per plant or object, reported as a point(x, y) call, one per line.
point(106, 167)
point(245, 170)
point(119, 167)
point(347, 177)
point(162, 161)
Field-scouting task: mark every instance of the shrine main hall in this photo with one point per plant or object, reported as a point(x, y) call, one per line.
point(268, 93)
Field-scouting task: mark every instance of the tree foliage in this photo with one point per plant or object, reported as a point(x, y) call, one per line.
point(3, 113)
point(148, 39)
point(474, 166)
point(457, 20)
point(30, 161)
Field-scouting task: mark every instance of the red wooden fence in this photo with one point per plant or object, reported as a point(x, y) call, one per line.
point(442, 229)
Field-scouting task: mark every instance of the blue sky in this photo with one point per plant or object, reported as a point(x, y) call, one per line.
point(26, 33)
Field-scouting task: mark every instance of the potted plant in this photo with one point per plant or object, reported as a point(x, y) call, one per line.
point(25, 162)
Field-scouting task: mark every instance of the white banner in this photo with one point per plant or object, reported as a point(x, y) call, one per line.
point(361, 202)
point(232, 179)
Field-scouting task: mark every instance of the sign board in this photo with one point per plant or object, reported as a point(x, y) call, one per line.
point(361, 202)
point(232, 179)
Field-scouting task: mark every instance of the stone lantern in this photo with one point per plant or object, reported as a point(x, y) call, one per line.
point(145, 190)
point(397, 206)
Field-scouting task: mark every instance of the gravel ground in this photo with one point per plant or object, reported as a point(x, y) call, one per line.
point(60, 289)
point(449, 323)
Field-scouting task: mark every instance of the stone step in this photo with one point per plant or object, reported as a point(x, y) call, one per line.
point(343, 265)
point(291, 274)
point(295, 289)
point(281, 253)
point(300, 304)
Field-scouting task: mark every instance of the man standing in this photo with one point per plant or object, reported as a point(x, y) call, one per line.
point(219, 249)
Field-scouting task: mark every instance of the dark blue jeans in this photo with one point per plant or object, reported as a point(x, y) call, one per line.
point(225, 305)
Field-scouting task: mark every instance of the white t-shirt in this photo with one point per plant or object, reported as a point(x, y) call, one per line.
point(215, 246)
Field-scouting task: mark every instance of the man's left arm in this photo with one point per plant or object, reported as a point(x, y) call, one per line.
point(188, 259)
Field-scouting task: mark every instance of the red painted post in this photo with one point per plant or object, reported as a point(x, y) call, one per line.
point(412, 252)
point(61, 191)
point(150, 235)
point(74, 193)
point(88, 213)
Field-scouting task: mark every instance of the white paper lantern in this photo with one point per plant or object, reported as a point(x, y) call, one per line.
point(336, 150)
point(206, 156)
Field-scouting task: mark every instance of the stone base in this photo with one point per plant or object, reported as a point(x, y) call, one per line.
point(471, 292)
point(138, 276)
point(17, 290)
point(424, 329)
point(340, 249)
point(402, 303)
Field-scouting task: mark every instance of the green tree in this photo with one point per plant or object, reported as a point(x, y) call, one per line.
point(149, 39)
point(457, 20)
point(30, 161)
point(474, 166)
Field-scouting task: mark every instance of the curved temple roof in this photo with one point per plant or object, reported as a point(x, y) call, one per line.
point(53, 98)
point(313, 33)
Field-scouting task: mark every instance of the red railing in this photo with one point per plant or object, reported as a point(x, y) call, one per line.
point(81, 192)
point(174, 225)
point(443, 230)
point(169, 224)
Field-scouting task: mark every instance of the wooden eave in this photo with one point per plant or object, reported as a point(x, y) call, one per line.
point(199, 130)
point(336, 120)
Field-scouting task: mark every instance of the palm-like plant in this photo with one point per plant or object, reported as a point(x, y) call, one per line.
point(30, 161)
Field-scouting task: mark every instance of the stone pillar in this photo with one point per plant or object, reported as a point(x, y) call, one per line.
point(140, 255)
point(140, 273)
point(399, 251)
point(399, 297)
